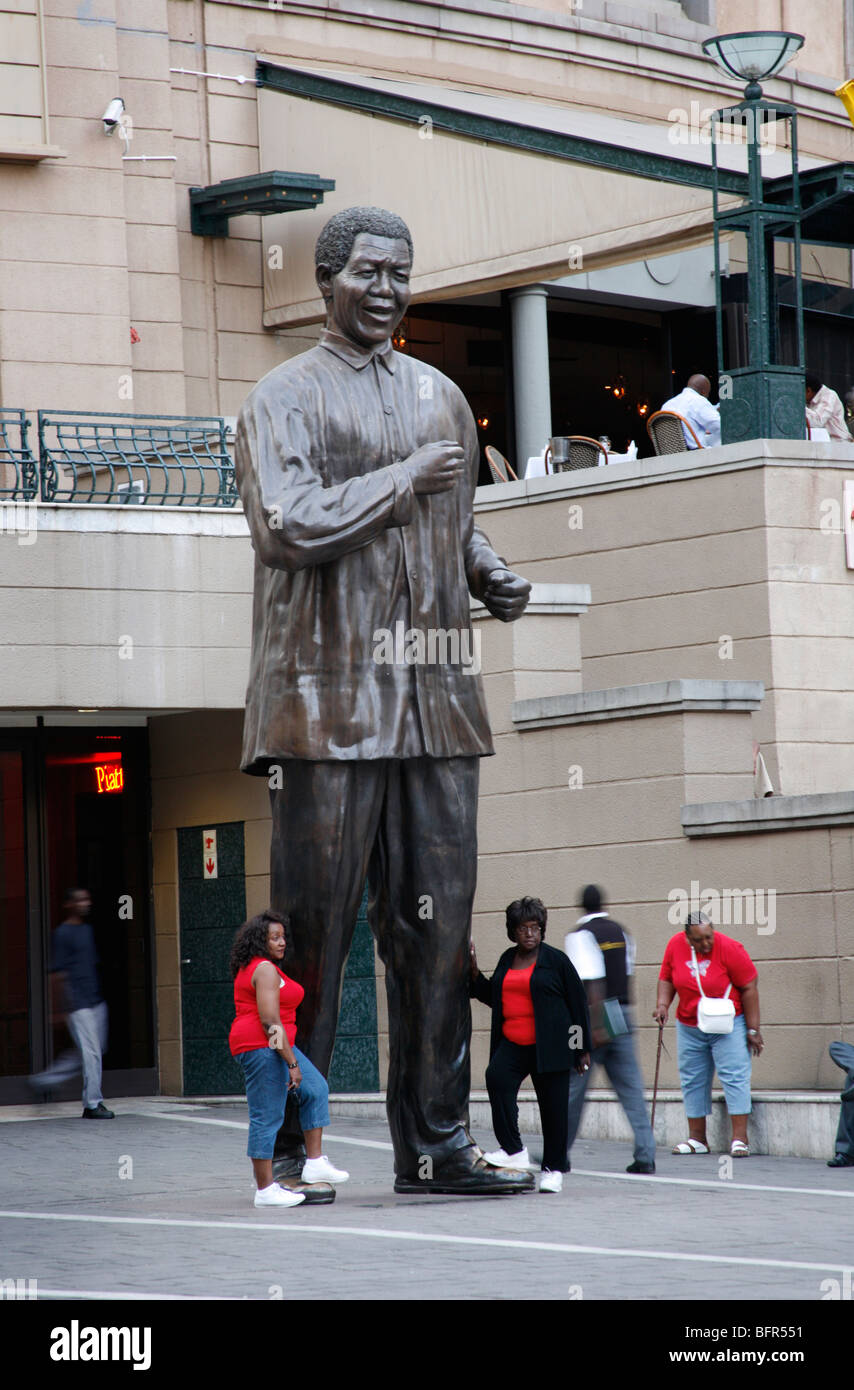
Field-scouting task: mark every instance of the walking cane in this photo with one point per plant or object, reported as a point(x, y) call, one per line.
point(657, 1068)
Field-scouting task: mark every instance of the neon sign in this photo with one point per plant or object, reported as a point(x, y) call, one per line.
point(110, 778)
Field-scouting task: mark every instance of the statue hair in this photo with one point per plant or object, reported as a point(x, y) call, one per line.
point(336, 239)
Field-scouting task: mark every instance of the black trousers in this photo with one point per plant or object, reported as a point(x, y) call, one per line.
point(508, 1067)
point(410, 827)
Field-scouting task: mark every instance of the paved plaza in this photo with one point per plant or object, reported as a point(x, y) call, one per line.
point(157, 1203)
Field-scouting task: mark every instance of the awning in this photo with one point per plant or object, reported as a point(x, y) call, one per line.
point(498, 191)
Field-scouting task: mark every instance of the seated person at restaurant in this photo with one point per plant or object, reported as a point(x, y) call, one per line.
point(824, 409)
point(694, 405)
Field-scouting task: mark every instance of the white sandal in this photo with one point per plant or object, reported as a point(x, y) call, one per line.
point(738, 1149)
point(690, 1146)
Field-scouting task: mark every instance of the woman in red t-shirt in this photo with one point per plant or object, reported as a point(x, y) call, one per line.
point(723, 965)
point(262, 1041)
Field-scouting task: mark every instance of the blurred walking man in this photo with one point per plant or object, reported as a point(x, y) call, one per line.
point(74, 964)
point(603, 954)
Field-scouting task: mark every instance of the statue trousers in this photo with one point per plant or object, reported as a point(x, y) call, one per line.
point(408, 826)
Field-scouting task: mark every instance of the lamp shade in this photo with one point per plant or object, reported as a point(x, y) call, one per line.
point(753, 56)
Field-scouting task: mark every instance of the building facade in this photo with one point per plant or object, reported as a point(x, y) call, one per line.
point(685, 613)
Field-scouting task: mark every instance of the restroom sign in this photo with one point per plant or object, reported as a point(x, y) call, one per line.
point(209, 860)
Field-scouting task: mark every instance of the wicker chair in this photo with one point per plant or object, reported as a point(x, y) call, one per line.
point(665, 430)
point(583, 453)
point(498, 466)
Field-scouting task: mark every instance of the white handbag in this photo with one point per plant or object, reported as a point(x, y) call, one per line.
point(713, 1015)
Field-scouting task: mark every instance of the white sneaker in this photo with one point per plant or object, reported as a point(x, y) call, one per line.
point(551, 1182)
point(321, 1170)
point(275, 1196)
point(500, 1159)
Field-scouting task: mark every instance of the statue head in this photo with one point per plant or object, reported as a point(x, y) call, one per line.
point(363, 261)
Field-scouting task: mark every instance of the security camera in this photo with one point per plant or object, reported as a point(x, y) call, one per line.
point(113, 115)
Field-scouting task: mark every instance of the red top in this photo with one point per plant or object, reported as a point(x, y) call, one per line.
point(518, 1007)
point(247, 1030)
point(728, 963)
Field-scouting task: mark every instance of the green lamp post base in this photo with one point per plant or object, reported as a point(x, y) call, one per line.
point(765, 403)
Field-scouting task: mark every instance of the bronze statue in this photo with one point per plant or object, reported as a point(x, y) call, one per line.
point(357, 467)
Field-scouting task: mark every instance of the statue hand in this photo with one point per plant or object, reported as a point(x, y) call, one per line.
point(436, 467)
point(507, 595)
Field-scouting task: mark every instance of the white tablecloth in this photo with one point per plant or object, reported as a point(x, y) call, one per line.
point(536, 466)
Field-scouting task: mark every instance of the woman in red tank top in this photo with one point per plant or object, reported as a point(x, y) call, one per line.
point(262, 1042)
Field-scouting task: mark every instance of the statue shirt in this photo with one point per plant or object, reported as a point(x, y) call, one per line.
point(349, 559)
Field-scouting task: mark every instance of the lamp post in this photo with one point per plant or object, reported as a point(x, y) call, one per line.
point(764, 398)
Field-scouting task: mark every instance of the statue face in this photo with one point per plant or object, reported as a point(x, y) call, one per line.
point(370, 294)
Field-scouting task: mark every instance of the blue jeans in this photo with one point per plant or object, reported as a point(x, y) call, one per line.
point(701, 1055)
point(843, 1055)
point(266, 1076)
point(619, 1059)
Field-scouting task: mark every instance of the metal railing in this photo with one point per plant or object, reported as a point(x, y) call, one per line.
point(150, 460)
point(19, 474)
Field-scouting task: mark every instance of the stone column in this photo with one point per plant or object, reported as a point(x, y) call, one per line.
point(531, 398)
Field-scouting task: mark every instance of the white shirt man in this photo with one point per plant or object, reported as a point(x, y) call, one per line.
point(693, 405)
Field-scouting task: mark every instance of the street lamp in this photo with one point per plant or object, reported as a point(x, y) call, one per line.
point(763, 399)
point(754, 56)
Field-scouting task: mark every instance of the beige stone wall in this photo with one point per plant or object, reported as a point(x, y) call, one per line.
point(91, 245)
point(564, 806)
point(714, 577)
point(126, 608)
point(822, 23)
point(195, 780)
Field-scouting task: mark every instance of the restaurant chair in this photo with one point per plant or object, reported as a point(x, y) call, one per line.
point(665, 430)
point(499, 466)
point(583, 453)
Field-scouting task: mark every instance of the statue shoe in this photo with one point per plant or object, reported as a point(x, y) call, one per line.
point(466, 1173)
point(287, 1172)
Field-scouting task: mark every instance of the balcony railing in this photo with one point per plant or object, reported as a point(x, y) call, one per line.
point(159, 460)
point(150, 460)
point(19, 474)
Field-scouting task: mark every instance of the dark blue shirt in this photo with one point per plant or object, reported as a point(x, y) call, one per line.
point(74, 953)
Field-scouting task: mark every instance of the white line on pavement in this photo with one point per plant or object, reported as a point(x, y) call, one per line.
point(656, 1178)
point(125, 1296)
point(292, 1228)
point(720, 1184)
point(244, 1124)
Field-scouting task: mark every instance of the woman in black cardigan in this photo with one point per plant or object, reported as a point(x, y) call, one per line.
point(540, 1028)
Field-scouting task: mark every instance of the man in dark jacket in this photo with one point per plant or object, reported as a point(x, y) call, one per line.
point(540, 1028)
point(603, 954)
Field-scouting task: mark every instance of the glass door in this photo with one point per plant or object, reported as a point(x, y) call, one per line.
point(14, 962)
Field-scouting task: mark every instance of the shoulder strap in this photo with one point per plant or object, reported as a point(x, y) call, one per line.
point(725, 995)
point(697, 972)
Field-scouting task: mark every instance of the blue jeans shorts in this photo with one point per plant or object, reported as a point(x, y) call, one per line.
point(266, 1076)
point(701, 1055)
